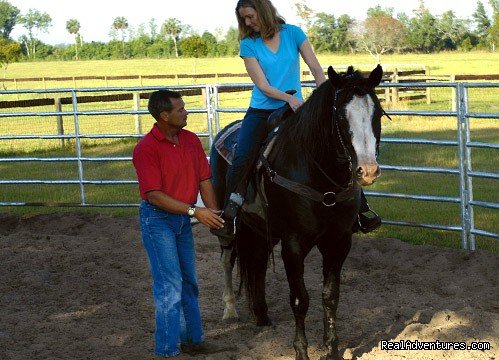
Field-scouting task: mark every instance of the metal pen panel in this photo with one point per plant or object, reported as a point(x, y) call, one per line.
point(210, 95)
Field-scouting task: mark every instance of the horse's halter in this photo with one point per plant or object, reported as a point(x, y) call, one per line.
point(336, 124)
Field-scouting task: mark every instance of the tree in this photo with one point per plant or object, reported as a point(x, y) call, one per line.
point(494, 28)
point(422, 34)
point(121, 24)
point(232, 41)
point(482, 22)
point(34, 22)
point(452, 30)
point(379, 34)
point(378, 11)
point(8, 18)
point(172, 27)
point(305, 13)
point(211, 43)
point(153, 28)
point(320, 32)
point(10, 51)
point(330, 34)
point(73, 27)
point(194, 46)
point(341, 33)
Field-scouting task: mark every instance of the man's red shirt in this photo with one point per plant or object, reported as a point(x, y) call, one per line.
point(174, 169)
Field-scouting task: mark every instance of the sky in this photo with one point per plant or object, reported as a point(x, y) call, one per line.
point(96, 16)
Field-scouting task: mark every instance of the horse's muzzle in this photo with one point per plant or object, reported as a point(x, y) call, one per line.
point(367, 174)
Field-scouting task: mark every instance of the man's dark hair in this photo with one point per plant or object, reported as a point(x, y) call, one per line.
point(160, 101)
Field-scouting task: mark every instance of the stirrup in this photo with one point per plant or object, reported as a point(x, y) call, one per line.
point(225, 234)
point(367, 224)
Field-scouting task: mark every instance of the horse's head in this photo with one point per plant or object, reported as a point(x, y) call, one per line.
point(357, 119)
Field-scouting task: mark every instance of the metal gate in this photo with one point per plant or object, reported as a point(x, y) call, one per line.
point(210, 95)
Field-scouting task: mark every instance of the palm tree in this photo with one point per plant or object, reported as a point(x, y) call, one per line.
point(73, 27)
point(121, 24)
point(172, 27)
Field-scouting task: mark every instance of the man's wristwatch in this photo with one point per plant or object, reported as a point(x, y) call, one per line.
point(191, 210)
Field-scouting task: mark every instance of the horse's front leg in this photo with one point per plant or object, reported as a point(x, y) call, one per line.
point(333, 258)
point(229, 299)
point(293, 257)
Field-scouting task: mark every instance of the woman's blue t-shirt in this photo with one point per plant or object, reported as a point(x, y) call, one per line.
point(282, 69)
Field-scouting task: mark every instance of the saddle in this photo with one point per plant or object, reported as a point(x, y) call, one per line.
point(227, 142)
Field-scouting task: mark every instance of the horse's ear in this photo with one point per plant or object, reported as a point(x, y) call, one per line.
point(333, 76)
point(375, 76)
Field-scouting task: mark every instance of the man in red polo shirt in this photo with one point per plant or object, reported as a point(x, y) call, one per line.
point(171, 169)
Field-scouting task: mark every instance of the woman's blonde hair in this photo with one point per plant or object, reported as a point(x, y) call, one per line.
point(269, 18)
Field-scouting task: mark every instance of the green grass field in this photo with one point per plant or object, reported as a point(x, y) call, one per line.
point(481, 100)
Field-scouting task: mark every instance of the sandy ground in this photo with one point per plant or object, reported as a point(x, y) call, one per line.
point(77, 286)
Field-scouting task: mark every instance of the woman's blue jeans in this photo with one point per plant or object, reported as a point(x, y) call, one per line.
point(169, 244)
point(251, 135)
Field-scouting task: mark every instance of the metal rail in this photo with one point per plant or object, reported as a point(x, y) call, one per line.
point(213, 110)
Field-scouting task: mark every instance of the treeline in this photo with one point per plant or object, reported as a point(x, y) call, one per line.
point(381, 32)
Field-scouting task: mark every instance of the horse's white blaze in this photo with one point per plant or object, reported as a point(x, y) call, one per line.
point(359, 112)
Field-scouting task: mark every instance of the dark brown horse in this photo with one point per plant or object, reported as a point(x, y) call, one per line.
point(306, 193)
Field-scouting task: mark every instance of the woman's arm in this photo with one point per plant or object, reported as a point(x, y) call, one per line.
point(256, 74)
point(313, 64)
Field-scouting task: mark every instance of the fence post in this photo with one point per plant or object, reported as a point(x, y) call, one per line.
point(208, 92)
point(136, 107)
point(387, 95)
point(81, 176)
point(15, 83)
point(395, 90)
point(467, 241)
point(452, 79)
point(74, 83)
point(44, 87)
point(60, 122)
point(428, 90)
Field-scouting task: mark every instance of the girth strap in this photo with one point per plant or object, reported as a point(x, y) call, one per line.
point(328, 198)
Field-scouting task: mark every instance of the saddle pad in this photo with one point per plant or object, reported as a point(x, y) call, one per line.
point(226, 143)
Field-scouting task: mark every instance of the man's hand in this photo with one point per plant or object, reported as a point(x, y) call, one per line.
point(209, 217)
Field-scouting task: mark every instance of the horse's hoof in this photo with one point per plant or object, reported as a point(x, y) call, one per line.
point(332, 357)
point(264, 322)
point(231, 320)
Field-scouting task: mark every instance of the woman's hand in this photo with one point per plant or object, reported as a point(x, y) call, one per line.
point(294, 103)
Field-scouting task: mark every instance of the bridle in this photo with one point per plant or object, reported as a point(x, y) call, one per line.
point(328, 198)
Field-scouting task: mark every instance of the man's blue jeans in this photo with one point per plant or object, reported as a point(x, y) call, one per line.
point(169, 244)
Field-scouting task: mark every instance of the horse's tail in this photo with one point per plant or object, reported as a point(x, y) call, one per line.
point(252, 259)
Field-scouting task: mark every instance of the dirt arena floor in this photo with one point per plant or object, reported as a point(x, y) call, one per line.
point(76, 286)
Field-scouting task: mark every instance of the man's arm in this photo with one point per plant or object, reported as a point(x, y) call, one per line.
point(167, 203)
point(205, 216)
point(209, 215)
point(208, 194)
